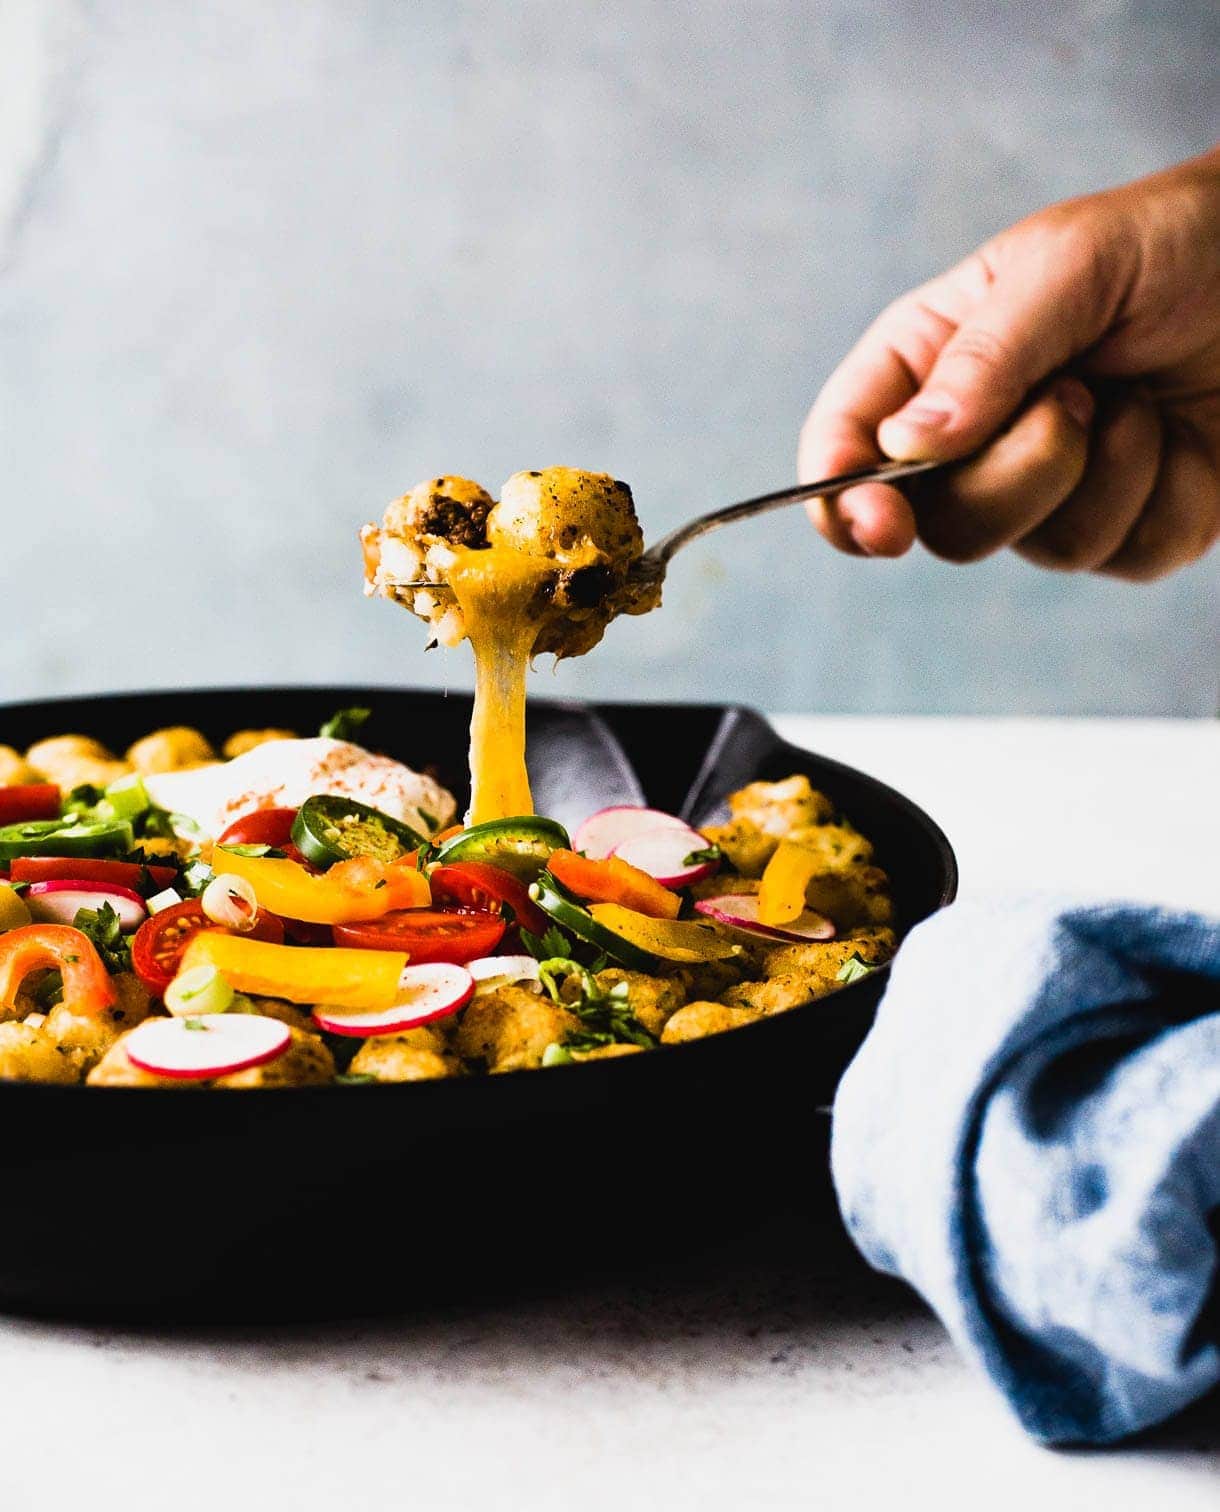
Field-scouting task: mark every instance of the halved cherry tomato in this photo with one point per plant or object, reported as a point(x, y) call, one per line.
point(33, 947)
point(478, 884)
point(29, 801)
point(158, 945)
point(90, 869)
point(428, 934)
point(269, 826)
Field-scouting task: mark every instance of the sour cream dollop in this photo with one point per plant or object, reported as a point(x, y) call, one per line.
point(283, 773)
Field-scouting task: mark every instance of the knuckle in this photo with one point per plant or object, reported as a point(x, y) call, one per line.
point(978, 347)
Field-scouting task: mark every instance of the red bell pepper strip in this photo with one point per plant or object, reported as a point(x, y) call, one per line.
point(29, 801)
point(90, 869)
point(613, 881)
point(35, 947)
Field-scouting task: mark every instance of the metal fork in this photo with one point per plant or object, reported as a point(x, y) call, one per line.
point(652, 564)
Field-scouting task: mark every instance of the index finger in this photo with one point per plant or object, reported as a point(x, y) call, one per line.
point(881, 372)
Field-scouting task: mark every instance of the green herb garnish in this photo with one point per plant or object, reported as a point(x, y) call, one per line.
point(193, 1023)
point(708, 853)
point(345, 724)
point(193, 878)
point(604, 1012)
point(102, 928)
point(854, 970)
point(548, 945)
point(50, 990)
point(354, 1078)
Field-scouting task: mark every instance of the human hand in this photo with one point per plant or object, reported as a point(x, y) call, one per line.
point(1075, 359)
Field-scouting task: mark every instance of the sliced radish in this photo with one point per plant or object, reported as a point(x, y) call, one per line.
point(603, 832)
point(662, 854)
point(58, 902)
point(214, 1044)
point(425, 992)
point(740, 911)
point(490, 972)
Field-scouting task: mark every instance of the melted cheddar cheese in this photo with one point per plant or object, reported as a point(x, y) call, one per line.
point(544, 569)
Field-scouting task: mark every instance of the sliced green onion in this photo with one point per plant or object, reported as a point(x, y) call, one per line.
point(229, 900)
point(853, 970)
point(165, 899)
point(201, 990)
point(127, 798)
point(556, 1055)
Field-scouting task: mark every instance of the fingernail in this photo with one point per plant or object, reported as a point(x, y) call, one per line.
point(1076, 398)
point(929, 412)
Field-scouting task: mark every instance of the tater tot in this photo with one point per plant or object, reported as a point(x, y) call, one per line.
point(75, 761)
point(416, 1055)
point(170, 750)
point(242, 741)
point(14, 768)
point(509, 1029)
point(698, 1020)
point(29, 1053)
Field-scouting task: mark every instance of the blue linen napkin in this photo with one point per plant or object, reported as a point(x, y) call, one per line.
point(1030, 1136)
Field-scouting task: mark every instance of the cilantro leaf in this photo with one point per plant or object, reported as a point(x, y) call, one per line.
point(345, 724)
point(50, 990)
point(604, 1012)
point(102, 928)
point(708, 853)
point(548, 945)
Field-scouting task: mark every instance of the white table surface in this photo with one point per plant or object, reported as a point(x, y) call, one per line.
point(778, 1374)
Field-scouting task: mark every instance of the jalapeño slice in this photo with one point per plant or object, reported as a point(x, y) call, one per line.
point(66, 837)
point(521, 845)
point(569, 915)
point(329, 829)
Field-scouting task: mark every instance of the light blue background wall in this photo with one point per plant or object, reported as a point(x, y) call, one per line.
point(264, 264)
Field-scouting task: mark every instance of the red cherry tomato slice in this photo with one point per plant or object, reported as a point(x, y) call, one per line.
point(269, 826)
point(478, 884)
point(28, 801)
point(428, 934)
point(158, 944)
point(89, 869)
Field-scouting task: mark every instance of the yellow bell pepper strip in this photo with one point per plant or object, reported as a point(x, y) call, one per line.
point(672, 939)
point(335, 978)
point(781, 895)
point(88, 989)
point(13, 912)
point(613, 881)
point(348, 893)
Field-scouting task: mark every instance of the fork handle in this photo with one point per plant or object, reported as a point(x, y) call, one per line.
point(883, 472)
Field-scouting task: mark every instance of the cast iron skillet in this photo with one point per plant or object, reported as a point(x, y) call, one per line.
point(328, 1201)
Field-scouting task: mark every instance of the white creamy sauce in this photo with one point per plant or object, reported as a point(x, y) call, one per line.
point(283, 773)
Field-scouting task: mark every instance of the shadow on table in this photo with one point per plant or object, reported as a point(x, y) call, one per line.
point(780, 1293)
point(791, 1268)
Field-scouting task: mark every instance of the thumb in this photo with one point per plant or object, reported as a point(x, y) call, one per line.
point(1014, 338)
